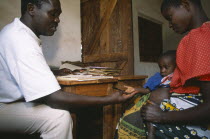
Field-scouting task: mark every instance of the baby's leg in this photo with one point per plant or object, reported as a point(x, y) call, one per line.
point(157, 97)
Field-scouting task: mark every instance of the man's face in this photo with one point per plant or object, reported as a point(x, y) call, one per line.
point(166, 65)
point(178, 18)
point(46, 18)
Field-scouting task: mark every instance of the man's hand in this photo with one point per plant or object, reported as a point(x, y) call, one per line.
point(151, 112)
point(136, 90)
point(64, 71)
point(119, 97)
point(129, 89)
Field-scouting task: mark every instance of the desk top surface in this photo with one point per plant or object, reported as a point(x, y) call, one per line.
point(98, 81)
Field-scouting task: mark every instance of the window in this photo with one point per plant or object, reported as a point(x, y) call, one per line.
point(150, 40)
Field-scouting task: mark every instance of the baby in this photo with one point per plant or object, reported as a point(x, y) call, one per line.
point(167, 64)
point(130, 124)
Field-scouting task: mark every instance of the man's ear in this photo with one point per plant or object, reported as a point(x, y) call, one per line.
point(31, 8)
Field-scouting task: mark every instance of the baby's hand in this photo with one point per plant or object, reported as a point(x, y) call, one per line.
point(129, 89)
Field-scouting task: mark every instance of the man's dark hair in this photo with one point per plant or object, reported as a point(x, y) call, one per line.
point(24, 4)
point(171, 54)
point(175, 3)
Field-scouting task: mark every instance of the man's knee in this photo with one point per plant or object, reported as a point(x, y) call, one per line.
point(59, 125)
point(65, 118)
point(59, 119)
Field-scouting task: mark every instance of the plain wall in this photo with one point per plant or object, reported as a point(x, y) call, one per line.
point(65, 44)
point(150, 9)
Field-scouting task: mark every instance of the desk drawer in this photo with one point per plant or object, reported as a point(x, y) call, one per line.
point(90, 90)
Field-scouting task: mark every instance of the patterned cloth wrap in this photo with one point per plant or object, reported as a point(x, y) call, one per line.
point(131, 125)
point(165, 82)
point(179, 102)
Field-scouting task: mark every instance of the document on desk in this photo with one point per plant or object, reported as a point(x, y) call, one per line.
point(69, 66)
point(82, 77)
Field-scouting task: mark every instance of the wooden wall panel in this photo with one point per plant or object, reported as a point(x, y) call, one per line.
point(104, 46)
point(109, 32)
point(90, 15)
point(115, 32)
point(127, 34)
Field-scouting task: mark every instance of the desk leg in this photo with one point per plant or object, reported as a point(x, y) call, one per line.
point(74, 118)
point(111, 117)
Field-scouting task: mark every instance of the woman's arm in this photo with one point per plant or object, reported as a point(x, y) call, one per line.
point(195, 115)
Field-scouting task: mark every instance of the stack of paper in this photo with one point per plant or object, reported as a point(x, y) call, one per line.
point(97, 71)
point(82, 77)
point(103, 71)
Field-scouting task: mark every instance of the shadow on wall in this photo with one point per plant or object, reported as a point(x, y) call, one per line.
point(9, 11)
point(50, 45)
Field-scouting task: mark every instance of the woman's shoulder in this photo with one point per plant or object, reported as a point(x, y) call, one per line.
point(202, 32)
point(197, 38)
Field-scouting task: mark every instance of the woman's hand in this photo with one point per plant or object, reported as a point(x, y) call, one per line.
point(152, 113)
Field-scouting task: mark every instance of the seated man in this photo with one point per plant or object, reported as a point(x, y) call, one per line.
point(27, 86)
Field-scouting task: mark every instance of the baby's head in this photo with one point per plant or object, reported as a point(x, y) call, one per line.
point(167, 62)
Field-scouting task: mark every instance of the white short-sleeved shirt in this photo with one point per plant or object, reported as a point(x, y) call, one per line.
point(24, 72)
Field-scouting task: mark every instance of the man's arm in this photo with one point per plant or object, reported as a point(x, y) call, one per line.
point(195, 115)
point(71, 100)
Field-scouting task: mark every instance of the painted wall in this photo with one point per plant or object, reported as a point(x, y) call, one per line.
point(66, 42)
point(150, 9)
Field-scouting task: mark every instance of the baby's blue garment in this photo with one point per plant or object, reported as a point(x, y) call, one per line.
point(153, 82)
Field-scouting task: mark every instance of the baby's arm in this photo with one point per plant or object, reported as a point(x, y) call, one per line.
point(151, 131)
point(137, 90)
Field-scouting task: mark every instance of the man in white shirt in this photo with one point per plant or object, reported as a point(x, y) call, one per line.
point(27, 85)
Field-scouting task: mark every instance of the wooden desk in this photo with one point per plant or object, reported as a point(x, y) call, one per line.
point(98, 122)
